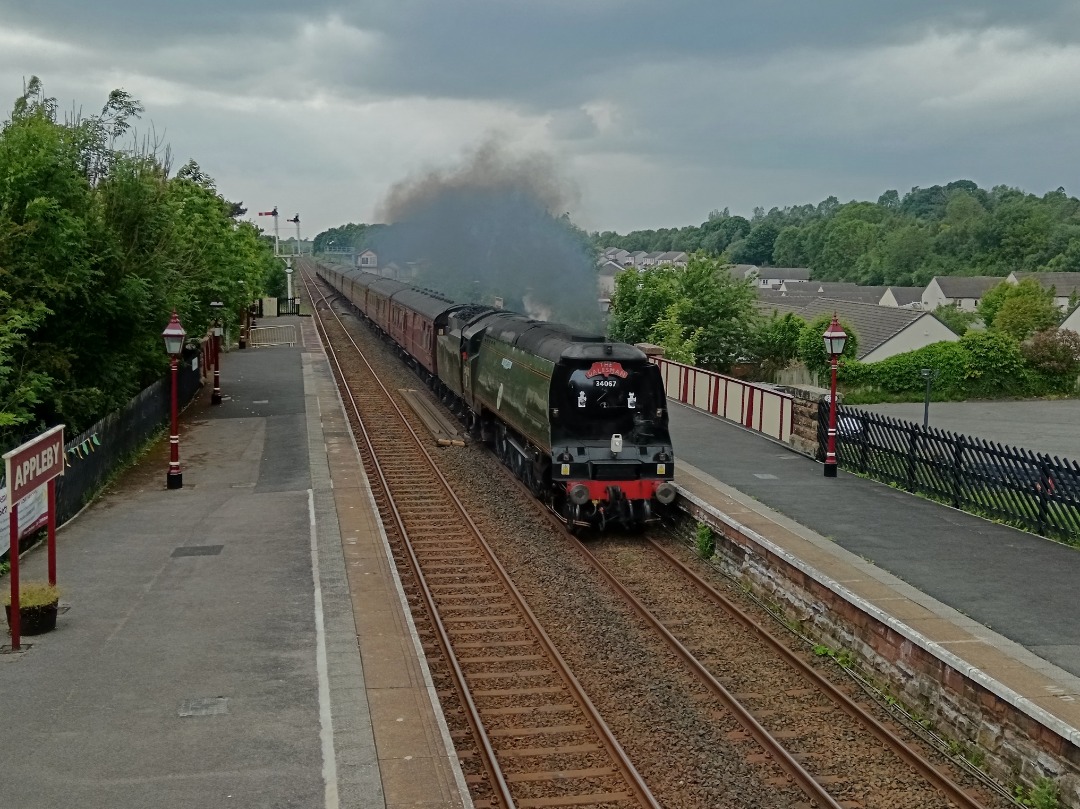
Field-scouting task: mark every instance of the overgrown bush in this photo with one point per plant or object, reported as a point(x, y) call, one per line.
point(995, 366)
point(1055, 355)
point(982, 364)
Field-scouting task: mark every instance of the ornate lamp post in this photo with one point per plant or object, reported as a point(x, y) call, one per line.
point(835, 339)
point(215, 330)
point(174, 343)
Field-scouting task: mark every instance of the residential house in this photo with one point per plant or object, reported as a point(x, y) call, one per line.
point(882, 331)
point(605, 278)
point(1072, 322)
point(1066, 285)
point(652, 259)
point(368, 260)
point(674, 257)
point(775, 276)
point(902, 297)
point(744, 270)
point(637, 258)
point(838, 290)
point(962, 291)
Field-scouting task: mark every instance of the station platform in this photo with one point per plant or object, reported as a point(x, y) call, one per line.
point(244, 641)
point(992, 601)
point(240, 642)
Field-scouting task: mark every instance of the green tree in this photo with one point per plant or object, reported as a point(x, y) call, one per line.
point(956, 319)
point(776, 341)
point(700, 314)
point(639, 302)
point(1022, 316)
point(97, 245)
point(1038, 311)
point(788, 249)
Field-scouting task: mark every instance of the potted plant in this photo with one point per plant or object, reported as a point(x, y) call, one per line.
point(38, 602)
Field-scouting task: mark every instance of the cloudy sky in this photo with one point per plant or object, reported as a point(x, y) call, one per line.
point(654, 112)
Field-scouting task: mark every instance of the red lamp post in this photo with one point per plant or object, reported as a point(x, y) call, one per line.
point(835, 339)
point(215, 397)
point(174, 343)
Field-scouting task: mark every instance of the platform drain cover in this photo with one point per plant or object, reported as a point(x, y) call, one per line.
point(204, 707)
point(198, 550)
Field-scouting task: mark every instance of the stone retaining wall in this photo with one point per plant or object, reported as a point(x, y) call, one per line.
point(804, 437)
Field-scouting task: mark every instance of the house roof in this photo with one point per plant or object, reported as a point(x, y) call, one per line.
point(785, 273)
point(839, 290)
point(875, 325)
point(673, 255)
point(1064, 283)
point(768, 307)
point(906, 295)
point(966, 286)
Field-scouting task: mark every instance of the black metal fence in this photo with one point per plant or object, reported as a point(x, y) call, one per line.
point(288, 306)
point(93, 455)
point(1029, 490)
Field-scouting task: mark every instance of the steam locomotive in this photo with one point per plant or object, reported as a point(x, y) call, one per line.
point(582, 421)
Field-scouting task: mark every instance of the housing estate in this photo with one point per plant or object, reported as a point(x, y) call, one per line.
point(882, 331)
point(1065, 285)
point(962, 291)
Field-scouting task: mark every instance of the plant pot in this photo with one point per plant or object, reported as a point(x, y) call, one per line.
point(34, 620)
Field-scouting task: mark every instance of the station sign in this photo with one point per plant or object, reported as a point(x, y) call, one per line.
point(34, 463)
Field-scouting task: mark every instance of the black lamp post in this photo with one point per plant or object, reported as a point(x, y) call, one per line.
point(215, 330)
point(835, 339)
point(174, 343)
point(929, 374)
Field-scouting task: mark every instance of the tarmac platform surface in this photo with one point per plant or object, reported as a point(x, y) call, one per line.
point(238, 642)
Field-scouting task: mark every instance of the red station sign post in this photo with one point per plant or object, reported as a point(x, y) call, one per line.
point(35, 463)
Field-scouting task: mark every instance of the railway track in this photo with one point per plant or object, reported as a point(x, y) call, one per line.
point(538, 739)
point(796, 735)
point(837, 750)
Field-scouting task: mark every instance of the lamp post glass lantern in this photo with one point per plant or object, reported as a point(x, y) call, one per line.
point(174, 343)
point(835, 340)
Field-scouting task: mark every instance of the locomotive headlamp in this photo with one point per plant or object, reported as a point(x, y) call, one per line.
point(665, 493)
point(616, 444)
point(579, 494)
point(659, 412)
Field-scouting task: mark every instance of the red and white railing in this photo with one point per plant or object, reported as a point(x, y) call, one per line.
point(754, 406)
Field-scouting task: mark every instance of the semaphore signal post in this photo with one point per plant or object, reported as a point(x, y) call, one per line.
point(36, 463)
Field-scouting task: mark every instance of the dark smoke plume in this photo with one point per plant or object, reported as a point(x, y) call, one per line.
point(494, 227)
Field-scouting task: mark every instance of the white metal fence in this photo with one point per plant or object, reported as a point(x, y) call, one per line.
point(272, 336)
point(756, 407)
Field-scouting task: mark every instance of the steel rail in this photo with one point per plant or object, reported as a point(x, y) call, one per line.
point(780, 754)
point(951, 790)
point(635, 782)
point(487, 751)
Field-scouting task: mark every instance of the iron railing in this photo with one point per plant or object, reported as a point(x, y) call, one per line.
point(1036, 492)
point(95, 454)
